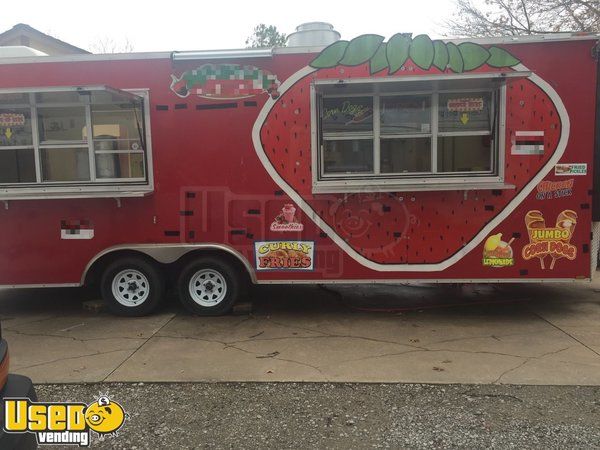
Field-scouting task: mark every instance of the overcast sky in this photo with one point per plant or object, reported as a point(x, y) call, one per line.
point(197, 25)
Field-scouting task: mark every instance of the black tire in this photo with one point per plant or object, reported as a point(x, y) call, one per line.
point(230, 276)
point(155, 286)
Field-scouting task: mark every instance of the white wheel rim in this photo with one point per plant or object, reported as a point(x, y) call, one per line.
point(130, 288)
point(207, 287)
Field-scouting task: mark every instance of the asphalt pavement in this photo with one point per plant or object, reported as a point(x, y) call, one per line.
point(344, 415)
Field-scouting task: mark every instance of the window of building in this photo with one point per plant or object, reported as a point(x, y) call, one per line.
point(82, 139)
point(371, 135)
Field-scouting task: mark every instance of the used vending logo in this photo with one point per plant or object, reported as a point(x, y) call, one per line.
point(554, 189)
point(550, 241)
point(497, 253)
point(284, 255)
point(63, 423)
point(286, 220)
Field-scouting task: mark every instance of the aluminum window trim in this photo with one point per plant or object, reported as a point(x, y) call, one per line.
point(464, 133)
point(372, 179)
point(500, 75)
point(347, 137)
point(405, 136)
point(128, 93)
point(65, 145)
point(16, 147)
point(100, 188)
point(415, 180)
point(109, 152)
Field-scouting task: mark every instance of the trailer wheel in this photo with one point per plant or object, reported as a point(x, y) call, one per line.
point(209, 286)
point(132, 287)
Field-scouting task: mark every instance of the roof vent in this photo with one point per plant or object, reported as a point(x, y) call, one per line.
point(313, 34)
point(16, 51)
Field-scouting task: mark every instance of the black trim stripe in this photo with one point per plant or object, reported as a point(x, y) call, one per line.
point(216, 106)
point(172, 233)
point(162, 107)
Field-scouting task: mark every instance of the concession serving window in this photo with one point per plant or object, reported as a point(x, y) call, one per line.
point(85, 141)
point(409, 133)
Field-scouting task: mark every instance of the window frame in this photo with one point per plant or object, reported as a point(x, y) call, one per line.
point(95, 186)
point(415, 181)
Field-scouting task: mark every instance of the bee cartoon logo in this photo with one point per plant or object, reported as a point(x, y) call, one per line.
point(104, 416)
point(64, 423)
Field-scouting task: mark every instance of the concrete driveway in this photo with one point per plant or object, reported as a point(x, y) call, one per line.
point(514, 334)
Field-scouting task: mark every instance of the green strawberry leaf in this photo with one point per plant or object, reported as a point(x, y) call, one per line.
point(440, 55)
point(397, 51)
point(379, 60)
point(361, 49)
point(501, 58)
point(421, 51)
point(473, 55)
point(330, 56)
point(455, 61)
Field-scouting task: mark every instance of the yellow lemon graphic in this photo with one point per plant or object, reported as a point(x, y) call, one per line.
point(493, 242)
point(104, 415)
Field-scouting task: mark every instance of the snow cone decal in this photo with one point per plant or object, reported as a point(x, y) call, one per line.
point(286, 220)
point(410, 230)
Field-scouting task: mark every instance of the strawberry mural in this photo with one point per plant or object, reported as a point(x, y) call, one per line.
point(420, 230)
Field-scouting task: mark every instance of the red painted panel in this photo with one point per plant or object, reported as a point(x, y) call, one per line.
point(210, 153)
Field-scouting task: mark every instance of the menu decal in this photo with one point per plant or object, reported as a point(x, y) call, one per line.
point(286, 220)
point(12, 120)
point(497, 253)
point(547, 241)
point(284, 255)
point(554, 189)
point(570, 169)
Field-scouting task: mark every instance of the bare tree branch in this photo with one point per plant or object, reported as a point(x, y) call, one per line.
point(514, 17)
point(109, 45)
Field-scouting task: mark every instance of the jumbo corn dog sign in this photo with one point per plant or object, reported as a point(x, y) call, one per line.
point(547, 241)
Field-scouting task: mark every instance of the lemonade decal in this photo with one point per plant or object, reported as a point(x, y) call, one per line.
point(63, 423)
point(497, 253)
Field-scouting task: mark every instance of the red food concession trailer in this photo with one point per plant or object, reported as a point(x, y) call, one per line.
point(364, 160)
